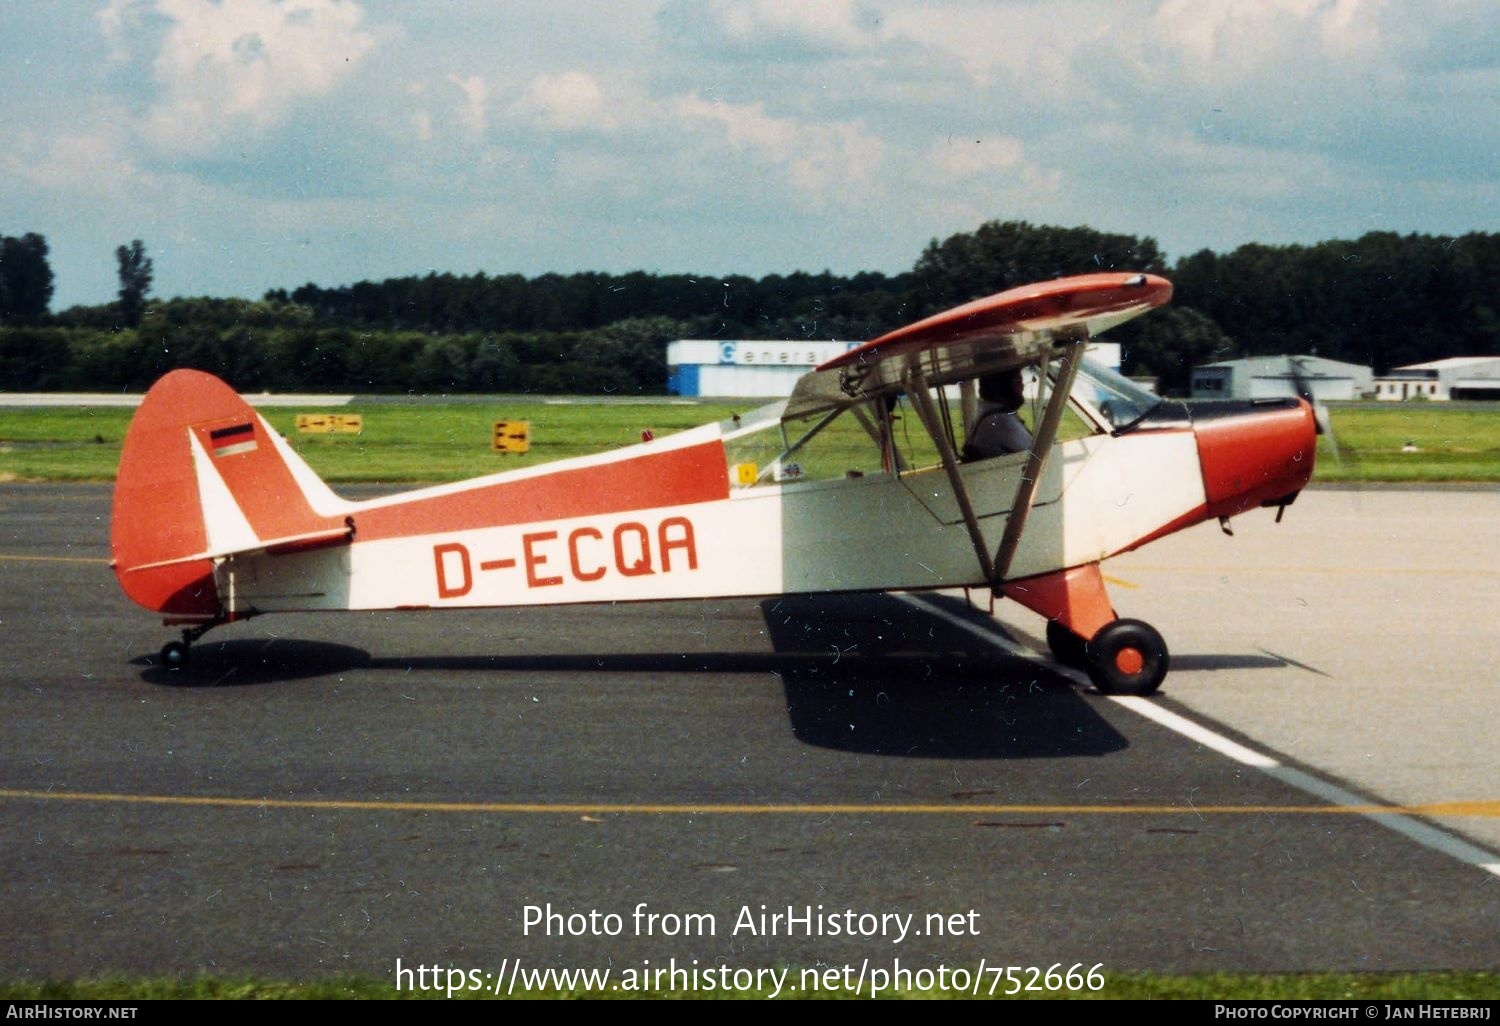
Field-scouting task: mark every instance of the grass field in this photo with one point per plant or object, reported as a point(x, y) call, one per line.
point(1452, 442)
point(400, 442)
point(404, 443)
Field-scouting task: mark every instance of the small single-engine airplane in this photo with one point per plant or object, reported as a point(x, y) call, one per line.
point(216, 519)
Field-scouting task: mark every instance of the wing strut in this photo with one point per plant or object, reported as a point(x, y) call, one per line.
point(1041, 445)
point(882, 430)
point(791, 449)
point(923, 398)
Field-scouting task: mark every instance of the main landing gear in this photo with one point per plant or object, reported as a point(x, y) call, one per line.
point(1066, 646)
point(1125, 657)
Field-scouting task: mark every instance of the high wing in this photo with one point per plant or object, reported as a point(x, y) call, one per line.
point(1015, 328)
point(1030, 325)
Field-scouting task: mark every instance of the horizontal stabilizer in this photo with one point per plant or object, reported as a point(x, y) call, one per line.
point(274, 547)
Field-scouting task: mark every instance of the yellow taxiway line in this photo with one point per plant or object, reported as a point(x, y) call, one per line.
point(5, 557)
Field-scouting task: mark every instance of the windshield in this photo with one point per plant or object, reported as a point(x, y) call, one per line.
point(1120, 401)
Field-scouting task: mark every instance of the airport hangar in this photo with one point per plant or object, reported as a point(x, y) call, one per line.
point(720, 368)
point(1458, 377)
point(1263, 377)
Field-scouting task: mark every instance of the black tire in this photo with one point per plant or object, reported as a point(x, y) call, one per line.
point(174, 656)
point(1068, 648)
point(1127, 657)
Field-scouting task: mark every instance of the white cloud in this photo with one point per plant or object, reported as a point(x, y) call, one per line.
point(744, 127)
point(69, 163)
point(120, 20)
point(824, 27)
point(1349, 28)
point(990, 41)
point(820, 159)
point(1228, 36)
point(741, 135)
point(966, 157)
point(476, 96)
point(240, 66)
point(570, 101)
point(421, 126)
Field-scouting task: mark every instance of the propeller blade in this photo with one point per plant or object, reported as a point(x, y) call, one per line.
point(1321, 419)
point(1325, 428)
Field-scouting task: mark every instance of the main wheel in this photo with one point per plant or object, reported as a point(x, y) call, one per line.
point(1127, 657)
point(174, 656)
point(1068, 647)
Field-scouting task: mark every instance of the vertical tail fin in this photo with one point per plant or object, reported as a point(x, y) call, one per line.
point(202, 476)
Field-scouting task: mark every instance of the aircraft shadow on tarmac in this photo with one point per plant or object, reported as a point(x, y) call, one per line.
point(867, 673)
point(904, 682)
point(254, 661)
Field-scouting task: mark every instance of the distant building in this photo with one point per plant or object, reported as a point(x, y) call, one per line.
point(1458, 377)
point(1265, 377)
point(760, 369)
point(1108, 355)
point(705, 367)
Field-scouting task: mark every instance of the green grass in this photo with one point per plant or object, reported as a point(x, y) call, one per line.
point(405, 443)
point(450, 443)
point(1453, 442)
point(400, 442)
point(1444, 986)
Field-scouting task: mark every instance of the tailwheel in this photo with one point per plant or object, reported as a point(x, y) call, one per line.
point(1068, 647)
point(174, 656)
point(1126, 657)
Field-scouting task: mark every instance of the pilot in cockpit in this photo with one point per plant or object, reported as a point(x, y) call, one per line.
point(996, 429)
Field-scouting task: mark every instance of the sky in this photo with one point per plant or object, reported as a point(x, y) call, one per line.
point(260, 144)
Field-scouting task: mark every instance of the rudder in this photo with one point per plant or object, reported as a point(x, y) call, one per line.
point(202, 475)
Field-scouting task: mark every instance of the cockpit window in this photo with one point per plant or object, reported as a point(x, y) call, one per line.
point(893, 435)
point(1119, 401)
point(882, 436)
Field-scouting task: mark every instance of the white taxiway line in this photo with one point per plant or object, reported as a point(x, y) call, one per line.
point(1427, 836)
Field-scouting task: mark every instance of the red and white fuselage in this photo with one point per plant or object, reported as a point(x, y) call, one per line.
point(660, 520)
point(216, 518)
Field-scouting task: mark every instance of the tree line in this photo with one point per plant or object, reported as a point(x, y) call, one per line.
point(1381, 300)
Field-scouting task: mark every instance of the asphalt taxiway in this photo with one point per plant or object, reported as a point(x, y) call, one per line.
point(343, 791)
